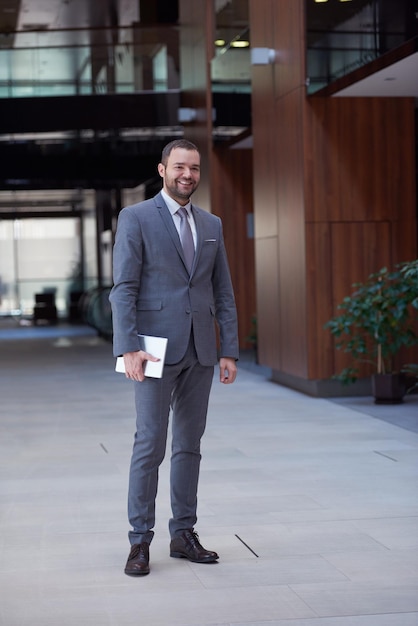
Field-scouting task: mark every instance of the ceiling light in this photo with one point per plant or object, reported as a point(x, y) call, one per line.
point(240, 43)
point(220, 42)
point(321, 0)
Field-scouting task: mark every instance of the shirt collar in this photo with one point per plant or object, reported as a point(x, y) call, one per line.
point(172, 205)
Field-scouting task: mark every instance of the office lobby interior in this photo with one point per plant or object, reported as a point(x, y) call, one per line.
point(305, 115)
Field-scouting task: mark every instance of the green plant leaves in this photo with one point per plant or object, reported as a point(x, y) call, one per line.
point(377, 319)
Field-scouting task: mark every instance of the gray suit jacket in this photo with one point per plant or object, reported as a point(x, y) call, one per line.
point(153, 293)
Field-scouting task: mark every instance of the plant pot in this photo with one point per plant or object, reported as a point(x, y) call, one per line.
point(388, 388)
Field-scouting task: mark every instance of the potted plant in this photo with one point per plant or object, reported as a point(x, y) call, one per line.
point(376, 321)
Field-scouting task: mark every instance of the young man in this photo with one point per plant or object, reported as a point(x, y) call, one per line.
point(171, 279)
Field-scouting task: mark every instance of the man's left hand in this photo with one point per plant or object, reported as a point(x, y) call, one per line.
point(228, 370)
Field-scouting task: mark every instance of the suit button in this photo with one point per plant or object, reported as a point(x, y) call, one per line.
point(188, 311)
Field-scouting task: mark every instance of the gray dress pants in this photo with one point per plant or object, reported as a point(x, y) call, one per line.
point(185, 387)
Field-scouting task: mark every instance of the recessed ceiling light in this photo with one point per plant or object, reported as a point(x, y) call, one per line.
point(240, 43)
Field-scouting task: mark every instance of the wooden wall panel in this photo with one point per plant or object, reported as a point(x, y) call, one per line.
point(322, 162)
point(277, 109)
point(374, 245)
point(360, 181)
point(404, 241)
point(265, 146)
point(360, 159)
point(232, 201)
point(289, 42)
point(261, 23)
point(291, 234)
point(268, 302)
point(264, 120)
point(196, 35)
point(337, 256)
point(357, 250)
point(265, 188)
point(319, 294)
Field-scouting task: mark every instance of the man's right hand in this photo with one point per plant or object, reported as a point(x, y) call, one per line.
point(135, 364)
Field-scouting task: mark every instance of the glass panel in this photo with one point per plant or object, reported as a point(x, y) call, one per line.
point(38, 256)
point(39, 253)
point(231, 71)
point(231, 65)
point(343, 36)
point(47, 251)
point(160, 70)
point(52, 63)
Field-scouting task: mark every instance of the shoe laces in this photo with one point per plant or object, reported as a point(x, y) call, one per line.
point(193, 537)
point(139, 549)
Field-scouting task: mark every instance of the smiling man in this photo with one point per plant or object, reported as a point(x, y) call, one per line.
point(180, 171)
point(171, 279)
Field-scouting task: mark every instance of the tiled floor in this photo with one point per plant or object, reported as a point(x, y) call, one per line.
point(311, 503)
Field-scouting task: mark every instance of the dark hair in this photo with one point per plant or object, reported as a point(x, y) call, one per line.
point(177, 143)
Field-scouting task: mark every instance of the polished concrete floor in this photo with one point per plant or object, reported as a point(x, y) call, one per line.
point(311, 503)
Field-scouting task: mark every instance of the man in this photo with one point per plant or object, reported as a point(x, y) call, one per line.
point(170, 282)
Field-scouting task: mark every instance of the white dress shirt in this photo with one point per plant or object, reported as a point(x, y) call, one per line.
point(173, 207)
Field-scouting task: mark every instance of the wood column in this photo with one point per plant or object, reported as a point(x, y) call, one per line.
point(196, 49)
point(226, 182)
point(232, 201)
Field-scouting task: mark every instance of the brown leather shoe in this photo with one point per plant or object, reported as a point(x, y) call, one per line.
point(187, 546)
point(138, 560)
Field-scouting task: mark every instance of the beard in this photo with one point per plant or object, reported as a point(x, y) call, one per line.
point(178, 191)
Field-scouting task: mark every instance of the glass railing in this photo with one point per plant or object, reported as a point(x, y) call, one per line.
point(93, 61)
point(343, 36)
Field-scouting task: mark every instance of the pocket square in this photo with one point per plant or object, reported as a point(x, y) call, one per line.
point(210, 240)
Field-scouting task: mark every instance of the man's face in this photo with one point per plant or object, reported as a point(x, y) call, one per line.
point(181, 175)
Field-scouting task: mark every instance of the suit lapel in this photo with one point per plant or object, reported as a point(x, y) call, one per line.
point(199, 236)
point(172, 230)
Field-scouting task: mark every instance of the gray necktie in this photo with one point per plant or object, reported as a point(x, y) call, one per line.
point(186, 237)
